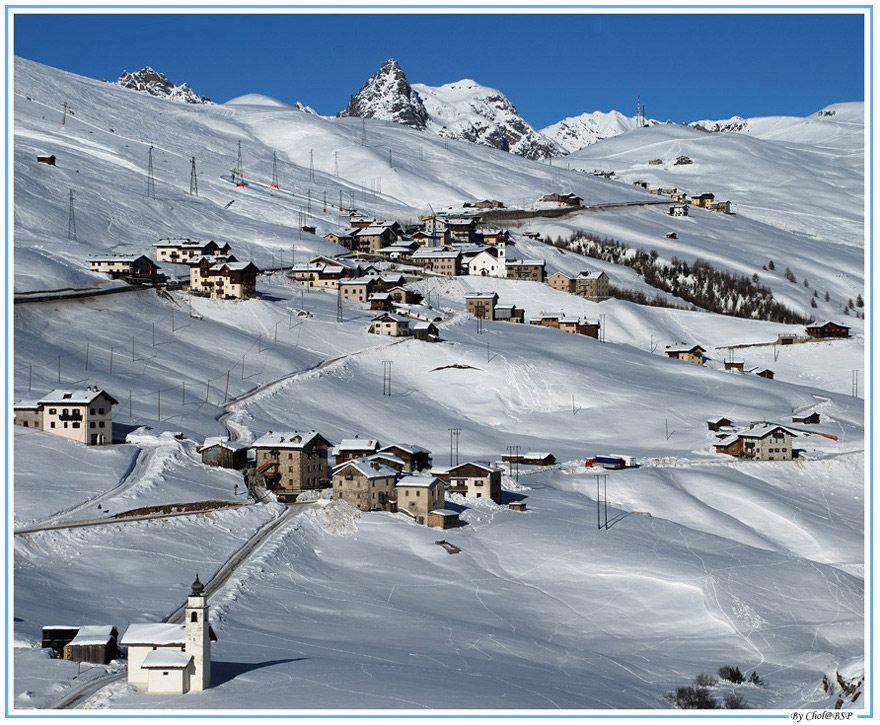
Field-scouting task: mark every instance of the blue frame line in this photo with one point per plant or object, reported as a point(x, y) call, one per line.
point(204, 9)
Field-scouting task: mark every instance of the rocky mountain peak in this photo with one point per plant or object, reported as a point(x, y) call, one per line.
point(388, 95)
point(148, 80)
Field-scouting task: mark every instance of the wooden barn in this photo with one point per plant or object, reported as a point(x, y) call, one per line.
point(224, 453)
point(827, 330)
point(50, 160)
point(58, 636)
point(426, 331)
point(809, 419)
point(765, 373)
point(717, 424)
point(93, 643)
point(415, 458)
point(443, 519)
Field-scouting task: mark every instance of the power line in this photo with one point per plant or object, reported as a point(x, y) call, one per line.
point(454, 434)
point(71, 221)
point(193, 179)
point(151, 180)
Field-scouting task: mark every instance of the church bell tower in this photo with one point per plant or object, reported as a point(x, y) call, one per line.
point(198, 637)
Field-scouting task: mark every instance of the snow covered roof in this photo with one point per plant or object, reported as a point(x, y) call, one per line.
point(385, 457)
point(360, 281)
point(234, 266)
point(391, 316)
point(369, 469)
point(481, 296)
point(94, 634)
point(154, 633)
point(418, 480)
point(483, 466)
point(358, 444)
point(436, 253)
point(444, 512)
point(375, 229)
point(825, 324)
point(166, 659)
point(762, 431)
point(118, 258)
point(684, 348)
point(423, 325)
point(27, 405)
point(379, 296)
point(223, 442)
point(590, 275)
point(727, 440)
point(73, 397)
point(286, 439)
point(537, 454)
point(525, 262)
point(408, 447)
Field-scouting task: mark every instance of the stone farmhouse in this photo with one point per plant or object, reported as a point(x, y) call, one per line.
point(366, 485)
point(135, 267)
point(292, 462)
point(390, 324)
point(419, 494)
point(692, 354)
point(351, 449)
point(474, 480)
point(526, 269)
point(763, 442)
point(181, 251)
point(84, 416)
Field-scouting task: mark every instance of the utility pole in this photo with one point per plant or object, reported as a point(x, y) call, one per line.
point(309, 203)
point(71, 221)
point(311, 165)
point(325, 201)
point(601, 500)
point(193, 179)
point(390, 160)
point(64, 114)
point(513, 461)
point(855, 383)
point(274, 170)
point(151, 179)
point(338, 305)
point(336, 169)
point(601, 328)
point(454, 434)
point(238, 174)
point(363, 131)
point(386, 378)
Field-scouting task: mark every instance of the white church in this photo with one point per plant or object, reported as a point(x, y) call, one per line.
point(490, 262)
point(172, 659)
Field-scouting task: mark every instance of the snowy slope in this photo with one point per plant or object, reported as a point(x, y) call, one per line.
point(802, 175)
point(540, 609)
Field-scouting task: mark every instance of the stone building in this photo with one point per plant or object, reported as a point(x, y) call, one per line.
point(366, 485)
point(292, 462)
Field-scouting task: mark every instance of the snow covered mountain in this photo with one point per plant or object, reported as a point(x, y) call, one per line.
point(576, 132)
point(472, 112)
point(736, 123)
point(157, 84)
point(464, 110)
point(387, 95)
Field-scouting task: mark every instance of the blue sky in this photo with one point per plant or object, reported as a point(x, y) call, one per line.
point(686, 67)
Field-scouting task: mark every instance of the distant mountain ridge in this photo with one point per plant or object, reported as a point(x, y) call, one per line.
point(576, 132)
point(157, 84)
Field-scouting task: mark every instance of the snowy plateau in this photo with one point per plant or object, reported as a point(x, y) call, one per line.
point(709, 560)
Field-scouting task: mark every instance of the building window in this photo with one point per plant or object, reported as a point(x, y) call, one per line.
point(91, 424)
point(100, 424)
point(194, 617)
point(76, 424)
point(52, 424)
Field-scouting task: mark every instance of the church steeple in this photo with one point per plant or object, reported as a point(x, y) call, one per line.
point(198, 636)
